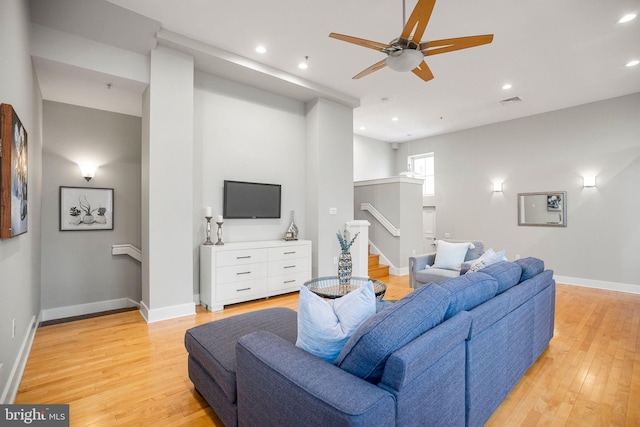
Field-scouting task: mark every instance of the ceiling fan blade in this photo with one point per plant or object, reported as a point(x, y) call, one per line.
point(361, 42)
point(423, 71)
point(418, 20)
point(375, 67)
point(448, 45)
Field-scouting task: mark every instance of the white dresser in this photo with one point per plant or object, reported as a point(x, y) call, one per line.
point(237, 272)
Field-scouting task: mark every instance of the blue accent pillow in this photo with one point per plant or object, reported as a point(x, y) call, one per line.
point(324, 326)
point(368, 349)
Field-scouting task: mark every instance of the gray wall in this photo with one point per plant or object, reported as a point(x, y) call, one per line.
point(246, 134)
point(20, 255)
point(372, 159)
point(548, 152)
point(77, 266)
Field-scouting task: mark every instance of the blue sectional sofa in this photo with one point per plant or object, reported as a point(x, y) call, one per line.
point(445, 355)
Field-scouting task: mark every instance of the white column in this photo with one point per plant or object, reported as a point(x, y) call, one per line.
point(167, 156)
point(360, 247)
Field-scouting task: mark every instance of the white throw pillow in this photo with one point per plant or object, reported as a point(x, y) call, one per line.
point(450, 256)
point(324, 326)
point(488, 258)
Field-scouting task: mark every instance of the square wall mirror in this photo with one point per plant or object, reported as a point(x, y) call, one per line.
point(548, 209)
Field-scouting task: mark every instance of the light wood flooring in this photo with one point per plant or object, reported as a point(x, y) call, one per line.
point(118, 370)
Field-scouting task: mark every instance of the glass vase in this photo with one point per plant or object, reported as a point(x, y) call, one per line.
point(344, 268)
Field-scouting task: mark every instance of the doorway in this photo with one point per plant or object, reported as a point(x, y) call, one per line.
point(428, 229)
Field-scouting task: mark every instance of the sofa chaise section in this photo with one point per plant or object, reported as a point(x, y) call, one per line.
point(212, 354)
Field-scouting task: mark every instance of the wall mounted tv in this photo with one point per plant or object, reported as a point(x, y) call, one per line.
point(251, 200)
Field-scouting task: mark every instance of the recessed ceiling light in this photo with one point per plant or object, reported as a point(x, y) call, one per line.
point(633, 63)
point(304, 64)
point(395, 119)
point(507, 86)
point(261, 49)
point(362, 128)
point(626, 18)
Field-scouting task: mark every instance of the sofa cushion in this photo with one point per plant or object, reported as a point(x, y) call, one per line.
point(476, 251)
point(435, 275)
point(324, 326)
point(368, 349)
point(506, 273)
point(213, 345)
point(530, 267)
point(468, 291)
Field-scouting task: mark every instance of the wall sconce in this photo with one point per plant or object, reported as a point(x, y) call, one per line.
point(497, 187)
point(88, 171)
point(589, 181)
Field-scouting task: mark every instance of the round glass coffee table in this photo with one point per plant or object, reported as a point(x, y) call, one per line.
point(330, 287)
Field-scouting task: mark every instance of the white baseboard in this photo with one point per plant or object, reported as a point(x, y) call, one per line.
point(82, 309)
point(196, 299)
point(398, 271)
point(598, 284)
point(13, 383)
point(166, 313)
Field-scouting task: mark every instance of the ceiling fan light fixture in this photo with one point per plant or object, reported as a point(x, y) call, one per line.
point(406, 61)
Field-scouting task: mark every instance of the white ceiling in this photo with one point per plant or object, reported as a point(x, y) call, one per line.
point(556, 54)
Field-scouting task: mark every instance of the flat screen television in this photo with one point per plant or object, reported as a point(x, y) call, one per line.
point(251, 200)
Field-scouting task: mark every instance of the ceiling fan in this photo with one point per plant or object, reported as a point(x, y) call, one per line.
point(407, 52)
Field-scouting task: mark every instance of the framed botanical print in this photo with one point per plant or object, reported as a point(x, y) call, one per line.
point(86, 208)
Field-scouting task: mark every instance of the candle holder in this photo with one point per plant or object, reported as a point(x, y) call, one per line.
point(219, 233)
point(208, 242)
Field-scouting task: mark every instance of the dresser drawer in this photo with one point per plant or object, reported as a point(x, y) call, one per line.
point(288, 252)
point(289, 266)
point(246, 290)
point(288, 282)
point(241, 257)
point(241, 273)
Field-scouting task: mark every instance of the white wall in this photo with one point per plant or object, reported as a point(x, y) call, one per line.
point(245, 134)
point(20, 256)
point(548, 152)
point(85, 273)
point(373, 159)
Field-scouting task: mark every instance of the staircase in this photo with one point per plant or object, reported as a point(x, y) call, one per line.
point(376, 270)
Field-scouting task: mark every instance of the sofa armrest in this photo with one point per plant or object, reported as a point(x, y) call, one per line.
point(417, 263)
point(280, 384)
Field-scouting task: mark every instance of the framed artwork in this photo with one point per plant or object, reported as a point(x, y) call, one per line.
point(13, 174)
point(85, 208)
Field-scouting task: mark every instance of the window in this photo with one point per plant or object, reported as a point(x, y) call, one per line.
point(424, 165)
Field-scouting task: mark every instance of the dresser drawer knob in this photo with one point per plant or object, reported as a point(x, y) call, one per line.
point(243, 272)
point(243, 289)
